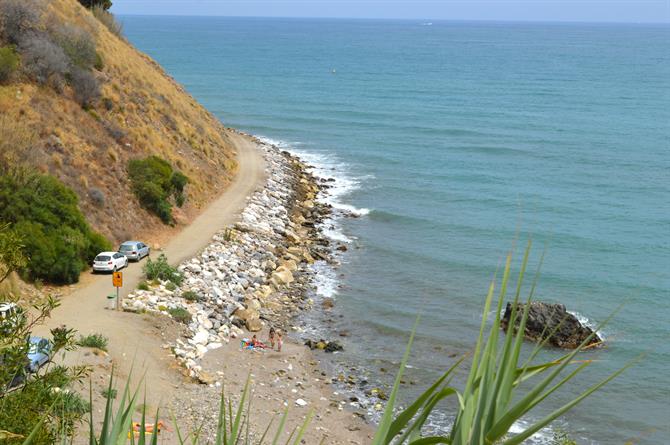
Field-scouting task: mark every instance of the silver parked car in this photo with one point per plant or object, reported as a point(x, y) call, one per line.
point(134, 250)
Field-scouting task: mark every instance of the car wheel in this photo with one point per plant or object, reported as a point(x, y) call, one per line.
point(126, 263)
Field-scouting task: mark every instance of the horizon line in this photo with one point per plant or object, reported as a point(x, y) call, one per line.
point(542, 21)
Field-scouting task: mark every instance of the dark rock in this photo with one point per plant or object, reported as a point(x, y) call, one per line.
point(326, 346)
point(545, 319)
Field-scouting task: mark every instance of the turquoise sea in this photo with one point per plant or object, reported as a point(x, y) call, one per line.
point(448, 139)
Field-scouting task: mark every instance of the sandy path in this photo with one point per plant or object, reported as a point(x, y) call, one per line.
point(136, 340)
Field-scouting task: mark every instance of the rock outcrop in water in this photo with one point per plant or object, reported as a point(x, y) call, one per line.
point(545, 319)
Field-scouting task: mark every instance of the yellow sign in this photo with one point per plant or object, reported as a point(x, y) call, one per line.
point(117, 279)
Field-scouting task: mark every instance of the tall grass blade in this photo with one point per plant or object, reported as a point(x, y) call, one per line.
point(303, 428)
point(280, 428)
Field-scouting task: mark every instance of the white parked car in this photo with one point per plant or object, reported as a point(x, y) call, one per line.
point(134, 250)
point(109, 262)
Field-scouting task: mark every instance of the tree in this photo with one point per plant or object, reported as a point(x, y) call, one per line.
point(12, 255)
point(104, 4)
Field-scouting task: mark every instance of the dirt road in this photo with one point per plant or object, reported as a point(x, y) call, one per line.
point(135, 340)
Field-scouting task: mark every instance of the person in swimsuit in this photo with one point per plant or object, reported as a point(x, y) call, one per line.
point(272, 337)
point(279, 341)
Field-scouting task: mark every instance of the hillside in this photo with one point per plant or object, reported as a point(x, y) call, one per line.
point(140, 111)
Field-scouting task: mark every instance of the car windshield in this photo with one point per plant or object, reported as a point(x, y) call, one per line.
point(126, 247)
point(42, 346)
point(102, 258)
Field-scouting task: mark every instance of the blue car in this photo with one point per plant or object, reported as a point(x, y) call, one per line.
point(39, 353)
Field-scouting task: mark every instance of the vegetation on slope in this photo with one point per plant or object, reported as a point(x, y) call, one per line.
point(24, 397)
point(58, 241)
point(156, 184)
point(88, 103)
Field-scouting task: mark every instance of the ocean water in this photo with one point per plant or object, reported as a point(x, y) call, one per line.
point(449, 141)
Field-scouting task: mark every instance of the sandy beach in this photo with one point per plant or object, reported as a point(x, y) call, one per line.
point(184, 368)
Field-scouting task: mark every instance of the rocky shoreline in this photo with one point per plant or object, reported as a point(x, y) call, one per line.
point(255, 273)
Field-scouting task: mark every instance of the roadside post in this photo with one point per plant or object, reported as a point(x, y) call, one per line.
point(117, 281)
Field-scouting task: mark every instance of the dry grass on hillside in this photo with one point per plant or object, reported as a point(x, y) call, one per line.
point(142, 111)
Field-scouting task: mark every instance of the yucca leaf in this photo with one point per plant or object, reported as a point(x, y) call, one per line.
point(387, 417)
point(180, 439)
point(537, 426)
point(406, 415)
point(221, 424)
point(267, 429)
point(303, 428)
point(235, 428)
point(415, 427)
point(280, 428)
point(431, 440)
point(514, 413)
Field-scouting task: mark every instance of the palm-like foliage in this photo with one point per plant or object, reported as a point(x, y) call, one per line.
point(491, 401)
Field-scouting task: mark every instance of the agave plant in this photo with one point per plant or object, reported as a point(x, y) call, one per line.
point(492, 400)
point(233, 427)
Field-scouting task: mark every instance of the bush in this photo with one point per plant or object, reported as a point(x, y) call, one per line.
point(93, 341)
point(109, 393)
point(190, 295)
point(104, 4)
point(18, 18)
point(107, 19)
point(9, 62)
point(154, 182)
point(171, 286)
point(22, 410)
point(45, 213)
point(97, 196)
point(77, 44)
point(43, 60)
point(143, 285)
point(86, 87)
point(180, 315)
point(161, 270)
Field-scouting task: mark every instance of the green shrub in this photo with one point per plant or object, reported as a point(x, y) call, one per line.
point(171, 286)
point(155, 183)
point(190, 295)
point(93, 341)
point(160, 269)
point(21, 411)
point(45, 214)
point(180, 315)
point(109, 393)
point(143, 285)
point(9, 62)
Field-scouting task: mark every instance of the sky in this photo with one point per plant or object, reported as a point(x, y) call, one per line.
point(632, 11)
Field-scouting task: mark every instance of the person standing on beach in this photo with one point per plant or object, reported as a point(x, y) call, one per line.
point(279, 341)
point(272, 337)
